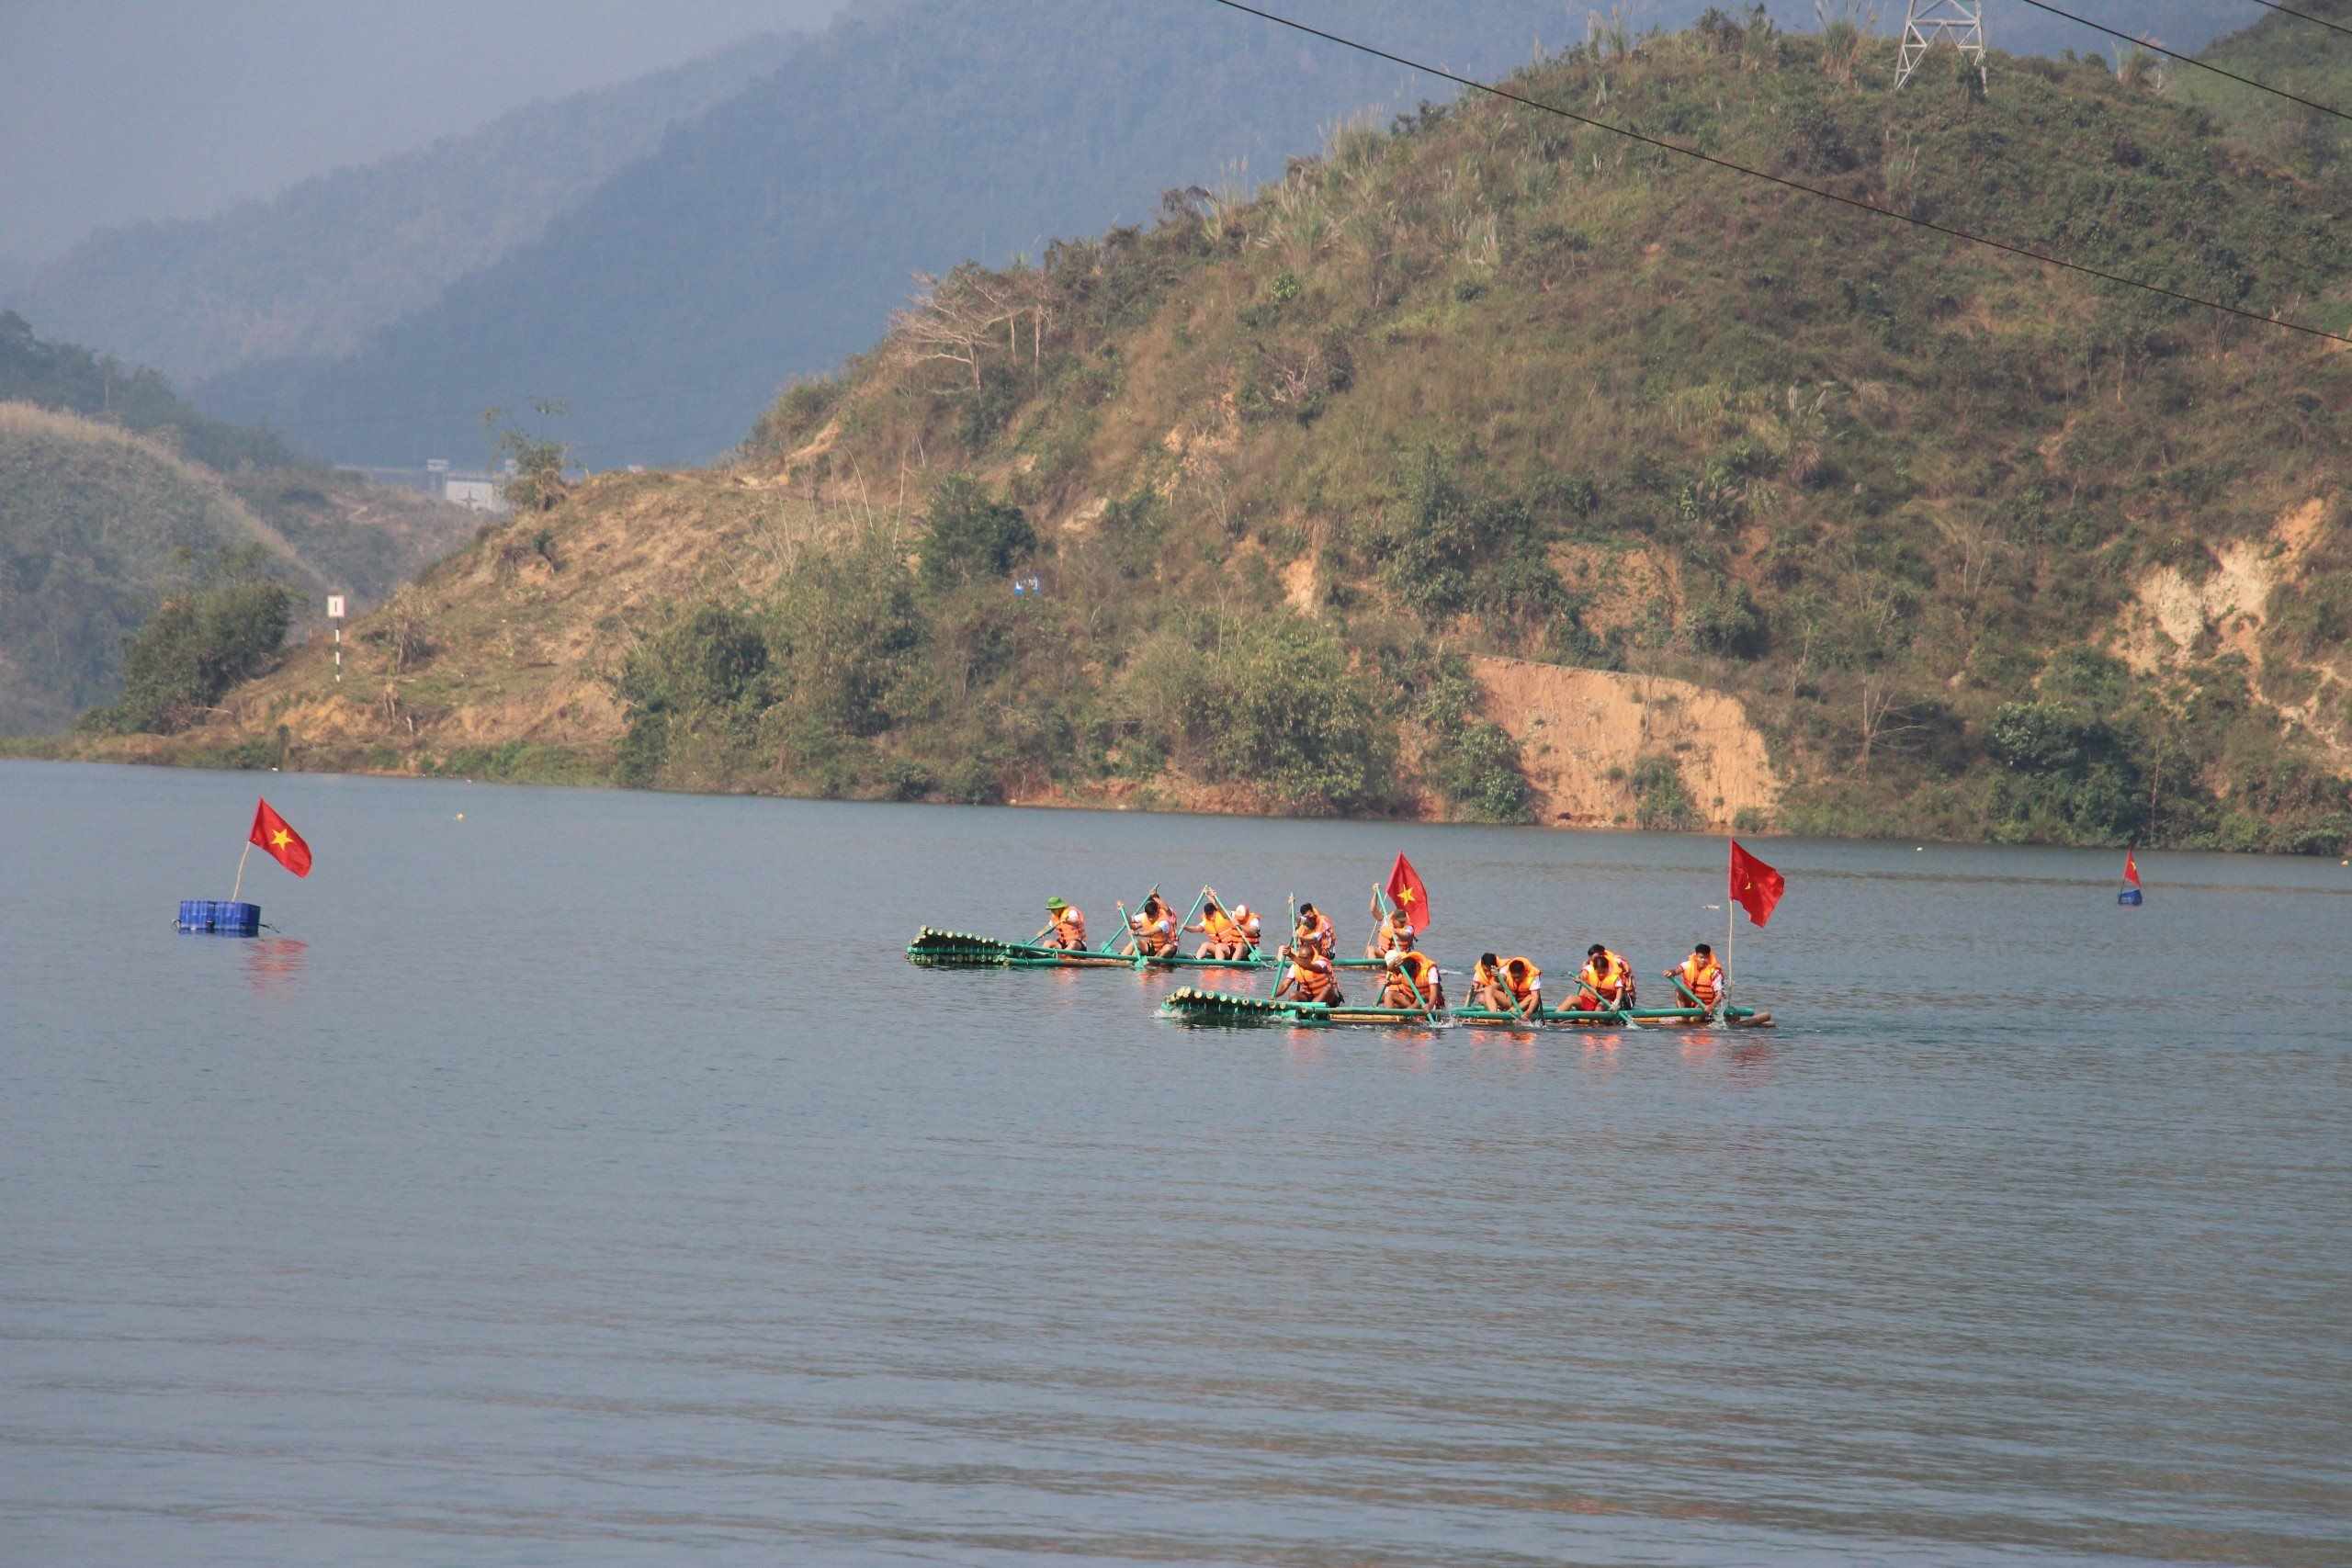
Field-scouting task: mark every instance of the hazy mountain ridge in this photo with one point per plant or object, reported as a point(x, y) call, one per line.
point(1380, 492)
point(311, 272)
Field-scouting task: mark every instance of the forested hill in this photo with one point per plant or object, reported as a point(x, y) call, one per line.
point(1488, 466)
point(115, 493)
point(2289, 53)
point(772, 237)
point(311, 273)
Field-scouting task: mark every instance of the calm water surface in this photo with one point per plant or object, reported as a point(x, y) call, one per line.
point(591, 1181)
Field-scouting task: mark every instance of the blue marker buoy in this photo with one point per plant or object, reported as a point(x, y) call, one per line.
point(219, 916)
point(2129, 897)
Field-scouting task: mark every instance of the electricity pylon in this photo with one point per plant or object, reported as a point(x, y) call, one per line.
point(1927, 23)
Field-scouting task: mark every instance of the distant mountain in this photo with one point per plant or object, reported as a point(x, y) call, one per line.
point(313, 271)
point(773, 236)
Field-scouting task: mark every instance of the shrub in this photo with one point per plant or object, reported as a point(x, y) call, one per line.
point(1478, 771)
point(1661, 802)
point(970, 534)
point(193, 649)
point(1447, 552)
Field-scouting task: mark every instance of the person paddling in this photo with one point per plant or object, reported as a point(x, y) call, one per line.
point(1068, 927)
point(1411, 981)
point(1394, 933)
point(1701, 975)
point(1223, 936)
point(1246, 921)
point(1155, 929)
point(1308, 975)
point(1607, 979)
point(1507, 985)
point(1318, 929)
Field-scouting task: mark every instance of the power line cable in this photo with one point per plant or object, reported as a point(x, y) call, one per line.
point(2188, 59)
point(2304, 16)
point(1782, 181)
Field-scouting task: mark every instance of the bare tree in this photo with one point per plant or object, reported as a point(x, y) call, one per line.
point(1886, 722)
point(951, 319)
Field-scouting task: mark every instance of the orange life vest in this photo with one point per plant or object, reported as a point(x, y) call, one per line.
point(1325, 936)
point(1705, 981)
point(1219, 927)
point(1608, 975)
point(1520, 977)
point(1415, 971)
point(1070, 928)
point(1313, 978)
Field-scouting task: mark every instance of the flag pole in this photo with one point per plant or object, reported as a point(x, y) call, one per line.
point(239, 889)
point(1731, 932)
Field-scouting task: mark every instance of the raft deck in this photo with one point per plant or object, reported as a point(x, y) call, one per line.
point(1194, 1004)
point(935, 949)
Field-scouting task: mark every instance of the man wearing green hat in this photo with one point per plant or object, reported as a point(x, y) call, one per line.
point(1068, 924)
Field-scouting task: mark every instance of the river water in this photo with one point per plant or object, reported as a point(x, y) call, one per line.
point(589, 1180)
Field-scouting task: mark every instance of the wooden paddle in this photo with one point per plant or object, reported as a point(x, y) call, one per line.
point(1687, 994)
point(1126, 926)
point(1603, 1009)
point(1187, 920)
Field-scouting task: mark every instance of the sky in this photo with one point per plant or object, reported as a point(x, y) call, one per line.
point(116, 110)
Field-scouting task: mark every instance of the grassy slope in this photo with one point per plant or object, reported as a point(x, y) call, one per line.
point(98, 516)
point(2289, 55)
point(1653, 419)
point(96, 524)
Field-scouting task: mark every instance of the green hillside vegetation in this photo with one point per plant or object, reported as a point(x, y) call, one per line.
point(1898, 490)
point(98, 528)
point(2289, 55)
point(1982, 549)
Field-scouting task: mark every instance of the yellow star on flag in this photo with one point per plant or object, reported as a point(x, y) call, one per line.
point(280, 838)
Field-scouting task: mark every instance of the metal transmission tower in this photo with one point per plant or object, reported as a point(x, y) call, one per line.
point(1927, 23)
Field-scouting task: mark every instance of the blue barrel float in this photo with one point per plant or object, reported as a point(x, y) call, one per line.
point(219, 916)
point(2129, 897)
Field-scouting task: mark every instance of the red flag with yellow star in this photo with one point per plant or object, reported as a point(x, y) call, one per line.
point(1755, 886)
point(1409, 895)
point(283, 843)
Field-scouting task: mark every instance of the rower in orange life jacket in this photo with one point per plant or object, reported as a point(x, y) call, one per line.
point(1701, 975)
point(1606, 976)
point(1069, 925)
point(1394, 930)
point(1307, 973)
point(1155, 929)
point(1507, 985)
point(1224, 933)
point(1408, 972)
point(1322, 933)
point(1246, 921)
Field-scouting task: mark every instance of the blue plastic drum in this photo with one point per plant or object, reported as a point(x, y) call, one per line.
point(2129, 897)
point(218, 917)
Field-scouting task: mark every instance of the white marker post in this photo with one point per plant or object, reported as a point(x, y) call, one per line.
point(334, 613)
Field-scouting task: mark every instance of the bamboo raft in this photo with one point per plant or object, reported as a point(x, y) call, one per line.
point(934, 949)
point(1192, 1005)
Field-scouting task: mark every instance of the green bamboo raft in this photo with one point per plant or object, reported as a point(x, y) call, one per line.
point(934, 949)
point(1192, 1005)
